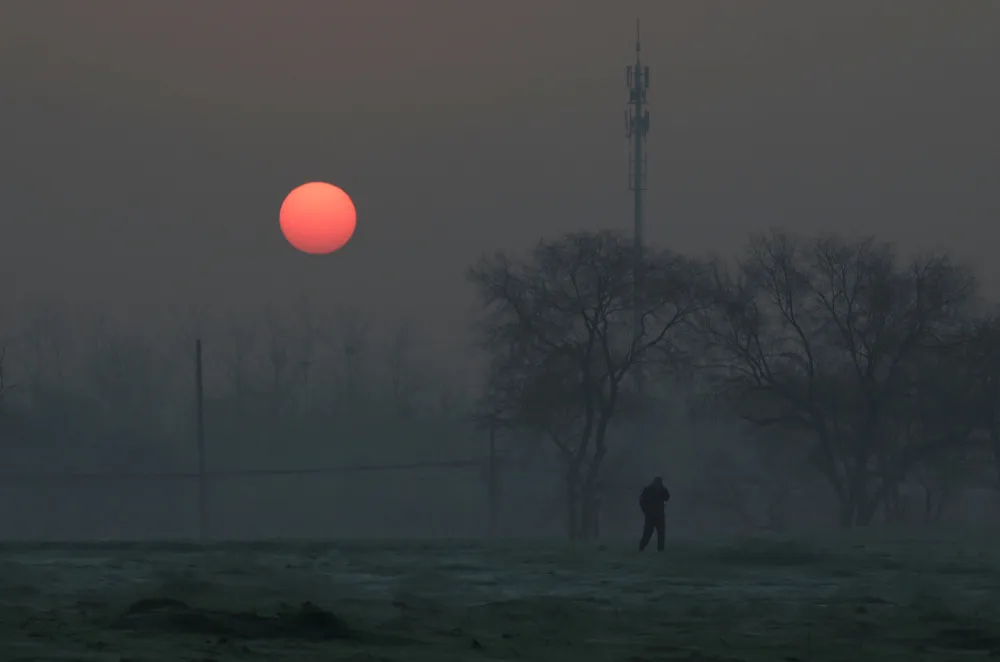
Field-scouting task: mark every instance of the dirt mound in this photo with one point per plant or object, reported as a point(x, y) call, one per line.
point(969, 639)
point(305, 621)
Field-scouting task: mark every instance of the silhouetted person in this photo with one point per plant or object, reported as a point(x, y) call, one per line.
point(652, 500)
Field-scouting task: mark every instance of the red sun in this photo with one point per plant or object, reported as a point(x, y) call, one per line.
point(318, 218)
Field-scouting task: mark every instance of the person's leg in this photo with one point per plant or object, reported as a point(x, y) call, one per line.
point(647, 532)
point(661, 529)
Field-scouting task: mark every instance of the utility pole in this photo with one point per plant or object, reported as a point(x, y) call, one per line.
point(200, 417)
point(492, 478)
point(636, 128)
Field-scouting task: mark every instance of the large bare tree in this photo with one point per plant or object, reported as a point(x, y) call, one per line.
point(559, 331)
point(980, 363)
point(831, 336)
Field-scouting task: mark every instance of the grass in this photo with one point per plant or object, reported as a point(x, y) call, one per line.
point(853, 598)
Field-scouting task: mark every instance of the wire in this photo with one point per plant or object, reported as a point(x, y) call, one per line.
point(110, 476)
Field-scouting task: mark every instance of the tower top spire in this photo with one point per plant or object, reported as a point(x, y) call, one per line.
point(638, 45)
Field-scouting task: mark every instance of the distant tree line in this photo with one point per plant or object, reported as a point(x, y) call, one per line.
point(836, 358)
point(281, 390)
point(872, 370)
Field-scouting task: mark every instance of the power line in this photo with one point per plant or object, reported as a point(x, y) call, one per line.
point(233, 473)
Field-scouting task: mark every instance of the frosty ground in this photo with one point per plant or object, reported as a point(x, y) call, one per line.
point(850, 597)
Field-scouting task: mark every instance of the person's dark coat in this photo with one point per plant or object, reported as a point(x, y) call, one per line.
point(653, 499)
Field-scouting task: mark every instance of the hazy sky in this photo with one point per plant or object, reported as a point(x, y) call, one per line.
point(147, 145)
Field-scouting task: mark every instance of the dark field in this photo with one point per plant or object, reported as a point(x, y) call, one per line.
point(851, 598)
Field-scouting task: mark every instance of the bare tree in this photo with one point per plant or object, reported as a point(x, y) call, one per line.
point(127, 383)
point(938, 439)
point(826, 336)
point(349, 342)
point(558, 329)
point(243, 341)
point(402, 374)
point(943, 477)
point(982, 363)
point(287, 357)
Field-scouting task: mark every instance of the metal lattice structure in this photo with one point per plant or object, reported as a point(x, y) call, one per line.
point(636, 128)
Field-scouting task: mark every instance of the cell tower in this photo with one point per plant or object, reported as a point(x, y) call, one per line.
point(636, 128)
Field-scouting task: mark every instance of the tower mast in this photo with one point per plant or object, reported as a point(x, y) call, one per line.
point(636, 128)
